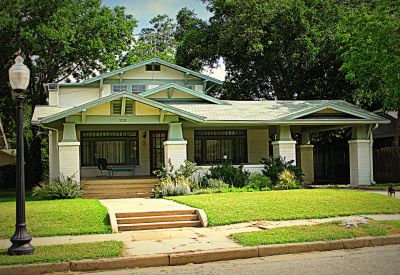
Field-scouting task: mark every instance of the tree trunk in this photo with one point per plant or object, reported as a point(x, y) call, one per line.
point(396, 136)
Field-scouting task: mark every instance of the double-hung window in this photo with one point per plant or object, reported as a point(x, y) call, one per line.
point(117, 147)
point(120, 88)
point(218, 146)
point(135, 88)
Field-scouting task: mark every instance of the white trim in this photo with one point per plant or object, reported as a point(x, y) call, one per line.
point(69, 143)
point(283, 142)
point(175, 142)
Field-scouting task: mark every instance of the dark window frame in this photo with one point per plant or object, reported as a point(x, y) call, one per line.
point(128, 137)
point(238, 137)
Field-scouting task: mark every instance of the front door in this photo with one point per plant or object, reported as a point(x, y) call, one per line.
point(157, 139)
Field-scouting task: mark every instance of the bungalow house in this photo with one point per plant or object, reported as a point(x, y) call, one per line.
point(148, 113)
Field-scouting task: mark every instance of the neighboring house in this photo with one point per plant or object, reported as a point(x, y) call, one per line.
point(154, 111)
point(7, 155)
point(386, 165)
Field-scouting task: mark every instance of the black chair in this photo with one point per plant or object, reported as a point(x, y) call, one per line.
point(102, 164)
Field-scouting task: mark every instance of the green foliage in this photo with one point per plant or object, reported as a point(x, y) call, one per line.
point(155, 42)
point(58, 188)
point(235, 176)
point(259, 182)
point(285, 49)
point(216, 184)
point(321, 232)
point(371, 57)
point(169, 171)
point(287, 180)
point(273, 167)
point(175, 187)
point(66, 252)
point(228, 208)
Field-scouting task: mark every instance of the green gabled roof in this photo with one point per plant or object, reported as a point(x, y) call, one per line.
point(144, 63)
point(116, 96)
point(183, 89)
point(337, 105)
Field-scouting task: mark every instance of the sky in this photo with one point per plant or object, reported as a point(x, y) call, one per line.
point(144, 10)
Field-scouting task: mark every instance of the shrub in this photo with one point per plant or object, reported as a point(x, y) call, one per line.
point(58, 188)
point(217, 184)
point(175, 187)
point(287, 180)
point(259, 182)
point(186, 170)
point(230, 174)
point(273, 167)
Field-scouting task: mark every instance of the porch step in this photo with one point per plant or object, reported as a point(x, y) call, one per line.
point(157, 220)
point(119, 188)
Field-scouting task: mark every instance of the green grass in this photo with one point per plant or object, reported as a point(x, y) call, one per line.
point(228, 208)
point(66, 252)
point(56, 217)
point(320, 232)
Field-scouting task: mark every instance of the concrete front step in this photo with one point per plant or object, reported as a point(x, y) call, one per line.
point(156, 213)
point(117, 195)
point(158, 225)
point(119, 186)
point(111, 181)
point(155, 219)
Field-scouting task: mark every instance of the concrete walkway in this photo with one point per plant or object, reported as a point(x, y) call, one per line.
point(188, 239)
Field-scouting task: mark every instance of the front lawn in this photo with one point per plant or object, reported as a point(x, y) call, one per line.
point(228, 208)
point(321, 232)
point(56, 217)
point(66, 252)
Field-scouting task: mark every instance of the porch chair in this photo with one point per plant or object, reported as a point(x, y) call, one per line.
point(103, 166)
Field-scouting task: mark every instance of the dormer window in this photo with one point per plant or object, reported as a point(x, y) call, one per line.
point(137, 89)
point(120, 88)
point(153, 67)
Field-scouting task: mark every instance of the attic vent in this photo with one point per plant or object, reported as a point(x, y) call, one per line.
point(53, 87)
point(117, 105)
point(153, 67)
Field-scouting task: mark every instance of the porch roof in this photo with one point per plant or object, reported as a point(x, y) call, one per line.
point(268, 111)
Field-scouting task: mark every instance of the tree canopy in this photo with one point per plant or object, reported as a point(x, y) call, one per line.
point(285, 49)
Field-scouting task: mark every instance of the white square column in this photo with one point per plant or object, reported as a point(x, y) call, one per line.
point(360, 156)
point(175, 148)
point(284, 146)
point(360, 162)
point(69, 154)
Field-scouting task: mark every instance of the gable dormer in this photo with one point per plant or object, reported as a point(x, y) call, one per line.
point(136, 79)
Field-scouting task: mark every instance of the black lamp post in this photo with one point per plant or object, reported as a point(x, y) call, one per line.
point(19, 79)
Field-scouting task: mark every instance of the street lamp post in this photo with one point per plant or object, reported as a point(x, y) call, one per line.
point(19, 79)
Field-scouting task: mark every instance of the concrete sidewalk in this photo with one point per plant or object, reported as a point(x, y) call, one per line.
point(187, 239)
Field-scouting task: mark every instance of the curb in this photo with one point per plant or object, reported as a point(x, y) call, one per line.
point(182, 258)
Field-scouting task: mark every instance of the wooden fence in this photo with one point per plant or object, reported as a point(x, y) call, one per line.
point(386, 165)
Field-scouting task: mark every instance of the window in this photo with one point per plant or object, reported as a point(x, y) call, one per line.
point(137, 89)
point(117, 147)
point(217, 146)
point(120, 88)
point(153, 67)
point(116, 107)
point(189, 87)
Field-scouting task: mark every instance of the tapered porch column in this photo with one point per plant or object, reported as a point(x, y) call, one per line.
point(284, 146)
point(307, 158)
point(69, 152)
point(175, 146)
point(360, 156)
